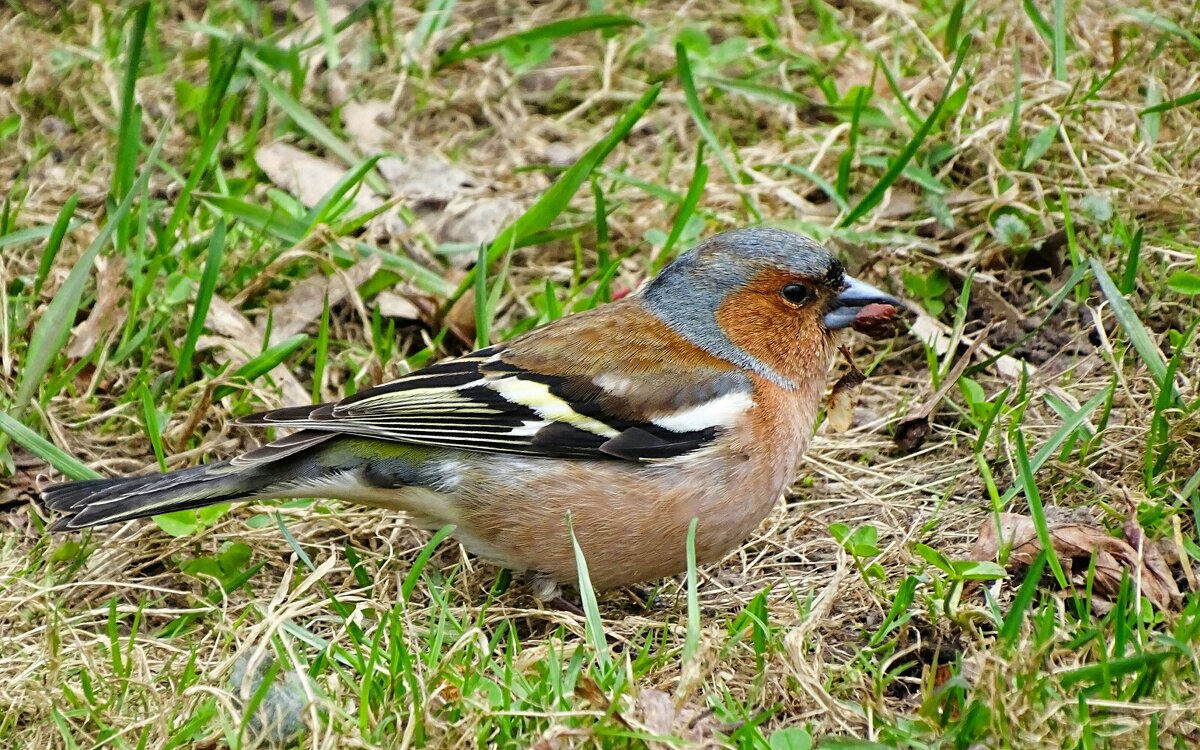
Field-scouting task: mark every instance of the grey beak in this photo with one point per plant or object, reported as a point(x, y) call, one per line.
point(853, 298)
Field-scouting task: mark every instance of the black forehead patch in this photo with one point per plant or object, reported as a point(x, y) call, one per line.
point(836, 275)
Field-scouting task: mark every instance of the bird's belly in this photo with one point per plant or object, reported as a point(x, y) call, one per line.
point(631, 521)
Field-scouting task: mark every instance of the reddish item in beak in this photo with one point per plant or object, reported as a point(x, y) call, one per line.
point(877, 320)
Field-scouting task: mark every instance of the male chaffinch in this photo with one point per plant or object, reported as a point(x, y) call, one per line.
point(692, 398)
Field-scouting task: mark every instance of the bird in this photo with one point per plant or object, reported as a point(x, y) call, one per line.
point(694, 397)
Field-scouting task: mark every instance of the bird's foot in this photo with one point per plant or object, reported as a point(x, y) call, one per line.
point(646, 598)
point(548, 591)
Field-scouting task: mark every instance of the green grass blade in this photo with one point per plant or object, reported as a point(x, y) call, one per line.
point(1155, 21)
point(481, 319)
point(492, 300)
point(321, 355)
point(1038, 20)
point(1133, 259)
point(549, 31)
point(825, 186)
point(311, 124)
point(761, 91)
point(419, 275)
point(914, 119)
point(322, 211)
point(552, 203)
point(691, 642)
point(263, 363)
point(153, 428)
point(57, 233)
point(1011, 629)
point(220, 76)
point(1132, 324)
point(200, 167)
point(1059, 438)
point(688, 82)
point(418, 565)
point(63, 462)
point(54, 326)
point(328, 35)
point(601, 224)
point(1107, 671)
point(130, 125)
point(587, 596)
point(204, 295)
point(876, 193)
point(290, 538)
point(688, 207)
point(33, 234)
point(433, 19)
point(953, 25)
point(1037, 511)
point(272, 222)
point(1176, 103)
point(1059, 34)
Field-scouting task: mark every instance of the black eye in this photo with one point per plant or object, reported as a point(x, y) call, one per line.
point(797, 294)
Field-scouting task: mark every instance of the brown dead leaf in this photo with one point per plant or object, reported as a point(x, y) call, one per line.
point(1152, 561)
point(473, 222)
point(1073, 541)
point(241, 340)
point(461, 318)
point(587, 690)
point(309, 178)
point(106, 314)
point(427, 178)
point(839, 408)
point(656, 713)
point(392, 305)
point(363, 123)
point(900, 203)
point(306, 300)
point(444, 196)
point(19, 489)
point(937, 335)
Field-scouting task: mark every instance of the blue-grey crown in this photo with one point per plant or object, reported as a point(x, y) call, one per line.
point(688, 292)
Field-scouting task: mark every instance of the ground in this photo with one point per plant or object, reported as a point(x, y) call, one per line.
point(190, 233)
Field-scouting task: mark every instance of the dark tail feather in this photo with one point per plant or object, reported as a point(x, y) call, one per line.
point(94, 502)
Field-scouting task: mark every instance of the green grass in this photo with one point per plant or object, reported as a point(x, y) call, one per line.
point(1031, 169)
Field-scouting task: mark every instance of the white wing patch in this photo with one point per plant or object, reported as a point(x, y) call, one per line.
point(537, 396)
point(722, 411)
point(530, 427)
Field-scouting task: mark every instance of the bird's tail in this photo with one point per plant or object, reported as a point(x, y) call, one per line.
point(94, 502)
point(304, 464)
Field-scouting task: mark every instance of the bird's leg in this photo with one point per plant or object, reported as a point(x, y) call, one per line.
point(541, 586)
point(547, 591)
point(646, 598)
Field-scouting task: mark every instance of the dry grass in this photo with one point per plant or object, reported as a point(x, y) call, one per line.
point(86, 660)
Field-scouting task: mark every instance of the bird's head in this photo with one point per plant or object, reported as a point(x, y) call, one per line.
point(765, 299)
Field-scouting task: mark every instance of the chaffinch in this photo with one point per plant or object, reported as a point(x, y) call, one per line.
point(692, 398)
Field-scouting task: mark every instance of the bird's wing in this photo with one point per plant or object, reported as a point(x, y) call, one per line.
point(561, 404)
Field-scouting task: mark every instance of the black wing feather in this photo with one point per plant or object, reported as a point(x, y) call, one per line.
point(457, 404)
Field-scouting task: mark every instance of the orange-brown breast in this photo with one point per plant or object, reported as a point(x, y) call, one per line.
point(631, 520)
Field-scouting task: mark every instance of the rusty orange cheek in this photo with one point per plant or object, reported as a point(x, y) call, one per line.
point(788, 339)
